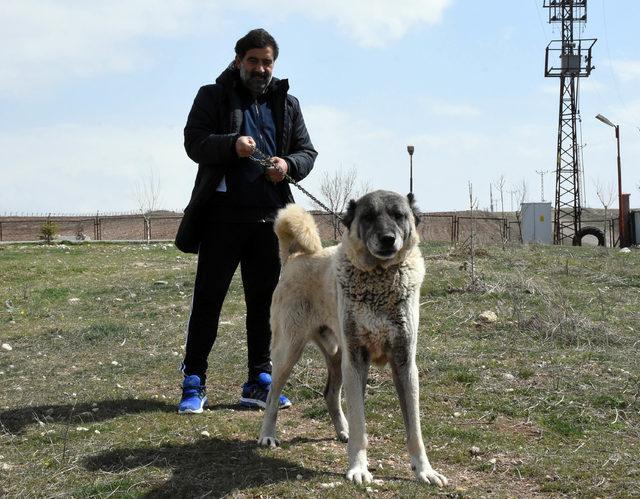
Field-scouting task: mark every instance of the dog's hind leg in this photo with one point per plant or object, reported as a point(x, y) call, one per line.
point(405, 378)
point(284, 356)
point(333, 388)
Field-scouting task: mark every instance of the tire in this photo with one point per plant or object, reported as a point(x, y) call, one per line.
point(589, 231)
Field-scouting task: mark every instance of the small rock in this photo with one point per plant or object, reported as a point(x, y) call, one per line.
point(97, 432)
point(205, 433)
point(625, 250)
point(457, 414)
point(474, 451)
point(74, 300)
point(298, 477)
point(7, 347)
point(488, 316)
point(114, 363)
point(6, 467)
point(161, 283)
point(508, 376)
point(329, 485)
point(493, 460)
point(82, 428)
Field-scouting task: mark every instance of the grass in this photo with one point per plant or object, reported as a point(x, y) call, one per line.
point(548, 396)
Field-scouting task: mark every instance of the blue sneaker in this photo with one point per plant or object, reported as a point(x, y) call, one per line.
point(255, 394)
point(194, 396)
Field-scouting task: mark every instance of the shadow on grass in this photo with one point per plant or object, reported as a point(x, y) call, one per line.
point(15, 420)
point(211, 467)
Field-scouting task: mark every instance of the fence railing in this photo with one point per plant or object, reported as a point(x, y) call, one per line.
point(450, 227)
point(98, 228)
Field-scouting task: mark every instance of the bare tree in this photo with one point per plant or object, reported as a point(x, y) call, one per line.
point(605, 195)
point(505, 231)
point(337, 189)
point(147, 193)
point(500, 185)
point(472, 271)
point(521, 192)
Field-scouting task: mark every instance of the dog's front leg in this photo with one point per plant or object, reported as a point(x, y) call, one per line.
point(355, 369)
point(405, 378)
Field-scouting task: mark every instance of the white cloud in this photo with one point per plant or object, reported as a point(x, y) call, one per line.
point(443, 108)
point(79, 169)
point(627, 70)
point(372, 23)
point(443, 162)
point(54, 39)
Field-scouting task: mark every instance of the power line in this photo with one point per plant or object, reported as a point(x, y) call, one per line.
point(606, 43)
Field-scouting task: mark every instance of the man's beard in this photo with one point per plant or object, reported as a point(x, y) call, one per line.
point(256, 82)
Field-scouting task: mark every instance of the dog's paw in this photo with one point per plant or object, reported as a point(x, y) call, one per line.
point(431, 476)
point(343, 436)
point(359, 474)
point(268, 442)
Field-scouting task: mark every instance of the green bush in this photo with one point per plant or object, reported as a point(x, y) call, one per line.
point(48, 230)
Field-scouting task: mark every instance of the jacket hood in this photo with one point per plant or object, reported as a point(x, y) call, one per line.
point(230, 77)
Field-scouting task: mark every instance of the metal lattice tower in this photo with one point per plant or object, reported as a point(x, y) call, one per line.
point(574, 57)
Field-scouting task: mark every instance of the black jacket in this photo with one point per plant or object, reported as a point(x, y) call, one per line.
point(212, 128)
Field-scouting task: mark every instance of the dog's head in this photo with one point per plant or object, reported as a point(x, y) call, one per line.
point(381, 228)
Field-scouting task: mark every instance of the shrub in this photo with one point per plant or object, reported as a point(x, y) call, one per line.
point(48, 230)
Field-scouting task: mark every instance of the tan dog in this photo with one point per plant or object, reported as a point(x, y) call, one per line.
point(358, 302)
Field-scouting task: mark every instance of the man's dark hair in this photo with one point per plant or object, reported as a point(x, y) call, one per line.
point(256, 39)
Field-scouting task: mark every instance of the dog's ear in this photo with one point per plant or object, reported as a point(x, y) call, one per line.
point(350, 214)
point(414, 208)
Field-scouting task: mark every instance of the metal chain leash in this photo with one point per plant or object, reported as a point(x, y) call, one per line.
point(266, 162)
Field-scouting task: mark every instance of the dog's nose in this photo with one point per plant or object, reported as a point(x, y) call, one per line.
point(387, 240)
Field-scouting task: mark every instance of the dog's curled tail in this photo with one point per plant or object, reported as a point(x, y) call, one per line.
point(297, 232)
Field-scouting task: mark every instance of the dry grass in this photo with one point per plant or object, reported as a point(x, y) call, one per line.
point(543, 402)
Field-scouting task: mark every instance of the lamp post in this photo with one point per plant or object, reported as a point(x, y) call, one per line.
point(410, 150)
point(621, 229)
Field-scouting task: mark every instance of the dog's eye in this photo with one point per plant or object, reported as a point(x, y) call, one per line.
point(398, 215)
point(369, 216)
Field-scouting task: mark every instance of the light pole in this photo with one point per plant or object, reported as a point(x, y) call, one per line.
point(621, 229)
point(410, 150)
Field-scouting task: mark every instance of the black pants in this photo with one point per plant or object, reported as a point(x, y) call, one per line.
point(255, 247)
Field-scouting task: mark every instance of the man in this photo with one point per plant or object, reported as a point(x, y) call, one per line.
point(229, 220)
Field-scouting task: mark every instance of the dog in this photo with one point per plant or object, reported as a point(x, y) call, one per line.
point(358, 302)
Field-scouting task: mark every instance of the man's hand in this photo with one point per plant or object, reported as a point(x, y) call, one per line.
point(245, 146)
point(276, 172)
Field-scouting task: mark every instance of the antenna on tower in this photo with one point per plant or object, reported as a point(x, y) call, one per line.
point(568, 59)
point(541, 173)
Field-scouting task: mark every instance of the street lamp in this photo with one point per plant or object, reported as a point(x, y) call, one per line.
point(621, 229)
point(410, 150)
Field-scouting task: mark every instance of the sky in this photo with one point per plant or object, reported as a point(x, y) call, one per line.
point(94, 96)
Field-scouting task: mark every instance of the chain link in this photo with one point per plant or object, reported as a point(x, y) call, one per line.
point(267, 162)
